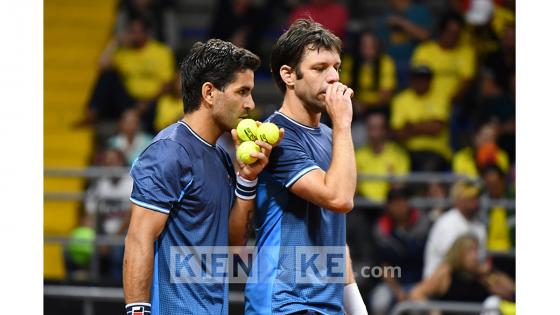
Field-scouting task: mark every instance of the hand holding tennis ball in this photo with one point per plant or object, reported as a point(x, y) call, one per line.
point(254, 141)
point(244, 152)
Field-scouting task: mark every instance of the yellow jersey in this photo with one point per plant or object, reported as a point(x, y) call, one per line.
point(393, 160)
point(464, 162)
point(408, 107)
point(364, 88)
point(145, 70)
point(169, 109)
point(450, 67)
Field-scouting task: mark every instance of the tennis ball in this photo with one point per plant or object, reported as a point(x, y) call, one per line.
point(80, 245)
point(244, 152)
point(269, 132)
point(247, 130)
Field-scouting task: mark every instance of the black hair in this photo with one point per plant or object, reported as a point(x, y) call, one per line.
point(449, 17)
point(215, 61)
point(358, 61)
point(488, 168)
point(291, 46)
point(145, 19)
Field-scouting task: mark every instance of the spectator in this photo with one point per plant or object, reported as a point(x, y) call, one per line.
point(161, 12)
point(332, 16)
point(239, 22)
point(379, 157)
point(108, 209)
point(453, 64)
point(501, 222)
point(502, 62)
point(370, 73)
point(169, 108)
point(455, 222)
point(400, 236)
point(461, 277)
point(478, 31)
point(130, 139)
point(404, 26)
point(497, 105)
point(135, 71)
point(419, 116)
point(484, 151)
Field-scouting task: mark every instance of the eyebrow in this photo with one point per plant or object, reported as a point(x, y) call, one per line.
point(324, 64)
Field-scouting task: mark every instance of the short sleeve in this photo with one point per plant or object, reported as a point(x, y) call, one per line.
point(168, 65)
point(468, 64)
point(398, 116)
point(290, 162)
point(160, 175)
point(388, 78)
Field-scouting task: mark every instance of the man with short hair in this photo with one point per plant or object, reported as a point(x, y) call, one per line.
point(309, 185)
point(185, 187)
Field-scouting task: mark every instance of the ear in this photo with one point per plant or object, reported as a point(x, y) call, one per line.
point(288, 75)
point(208, 93)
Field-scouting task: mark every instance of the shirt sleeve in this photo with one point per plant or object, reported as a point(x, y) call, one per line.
point(160, 175)
point(468, 63)
point(398, 117)
point(290, 162)
point(388, 78)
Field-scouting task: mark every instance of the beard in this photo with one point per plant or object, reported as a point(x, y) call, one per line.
point(312, 102)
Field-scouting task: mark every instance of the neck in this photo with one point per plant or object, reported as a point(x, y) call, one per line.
point(466, 214)
point(198, 121)
point(377, 146)
point(294, 108)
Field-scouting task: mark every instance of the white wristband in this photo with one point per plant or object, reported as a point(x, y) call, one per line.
point(353, 303)
point(246, 189)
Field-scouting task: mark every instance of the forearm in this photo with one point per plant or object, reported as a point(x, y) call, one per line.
point(419, 33)
point(137, 269)
point(107, 54)
point(240, 221)
point(341, 175)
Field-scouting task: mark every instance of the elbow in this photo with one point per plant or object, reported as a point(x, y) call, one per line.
point(342, 205)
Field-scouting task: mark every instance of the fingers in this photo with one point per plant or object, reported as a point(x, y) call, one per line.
point(349, 92)
point(235, 138)
point(265, 147)
point(280, 137)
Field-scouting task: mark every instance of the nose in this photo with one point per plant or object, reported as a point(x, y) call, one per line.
point(332, 75)
point(249, 104)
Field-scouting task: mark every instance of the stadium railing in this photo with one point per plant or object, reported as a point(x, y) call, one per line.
point(91, 294)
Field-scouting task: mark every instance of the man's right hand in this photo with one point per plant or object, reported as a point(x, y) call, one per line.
point(339, 104)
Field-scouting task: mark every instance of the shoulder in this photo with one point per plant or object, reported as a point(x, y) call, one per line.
point(403, 96)
point(426, 46)
point(387, 61)
point(393, 147)
point(157, 46)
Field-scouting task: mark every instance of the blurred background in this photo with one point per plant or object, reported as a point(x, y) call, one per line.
point(434, 132)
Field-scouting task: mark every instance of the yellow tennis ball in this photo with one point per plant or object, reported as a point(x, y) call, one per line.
point(269, 132)
point(244, 152)
point(247, 130)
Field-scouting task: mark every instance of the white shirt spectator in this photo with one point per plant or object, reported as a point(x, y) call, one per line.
point(109, 200)
point(447, 228)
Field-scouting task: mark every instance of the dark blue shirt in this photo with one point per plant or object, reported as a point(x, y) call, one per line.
point(193, 182)
point(286, 223)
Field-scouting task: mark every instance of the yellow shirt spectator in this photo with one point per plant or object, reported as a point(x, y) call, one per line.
point(450, 67)
point(393, 160)
point(464, 162)
point(169, 110)
point(409, 107)
point(145, 70)
point(366, 93)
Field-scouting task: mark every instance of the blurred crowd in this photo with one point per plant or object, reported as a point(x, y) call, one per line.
point(435, 92)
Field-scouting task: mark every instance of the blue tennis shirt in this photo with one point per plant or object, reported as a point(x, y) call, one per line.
point(193, 182)
point(286, 225)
